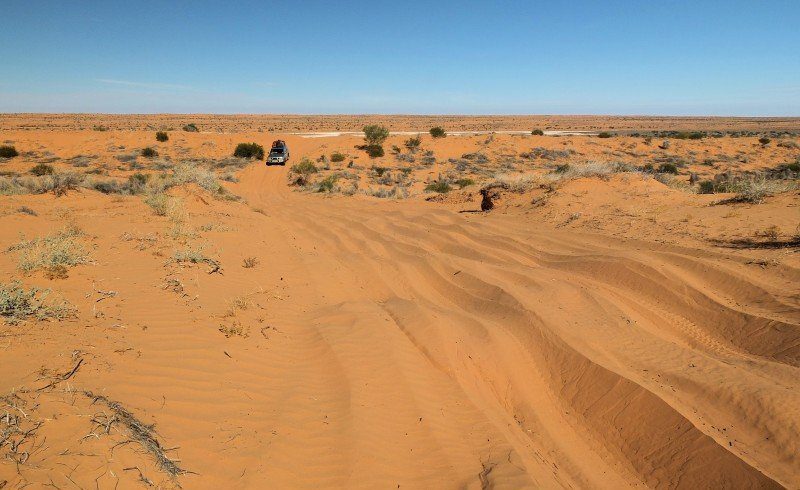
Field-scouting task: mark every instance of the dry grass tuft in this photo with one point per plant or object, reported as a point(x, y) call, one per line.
point(64, 248)
point(18, 304)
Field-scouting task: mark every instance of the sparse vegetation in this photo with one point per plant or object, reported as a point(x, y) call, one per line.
point(337, 157)
point(18, 304)
point(162, 136)
point(764, 141)
point(26, 210)
point(705, 187)
point(191, 128)
point(604, 134)
point(537, 132)
point(8, 152)
point(668, 168)
point(327, 184)
point(464, 182)
point(63, 248)
point(249, 262)
point(437, 132)
point(249, 150)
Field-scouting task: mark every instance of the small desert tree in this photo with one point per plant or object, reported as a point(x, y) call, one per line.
point(374, 136)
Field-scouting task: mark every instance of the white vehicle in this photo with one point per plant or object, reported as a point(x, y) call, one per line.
point(279, 154)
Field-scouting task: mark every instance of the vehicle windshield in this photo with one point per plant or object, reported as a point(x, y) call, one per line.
point(277, 151)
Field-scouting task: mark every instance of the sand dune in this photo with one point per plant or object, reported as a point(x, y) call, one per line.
point(399, 344)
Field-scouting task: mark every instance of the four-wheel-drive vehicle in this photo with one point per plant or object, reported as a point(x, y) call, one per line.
point(278, 154)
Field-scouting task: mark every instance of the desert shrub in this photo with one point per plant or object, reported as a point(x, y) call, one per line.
point(379, 170)
point(686, 135)
point(561, 169)
point(229, 177)
point(604, 134)
point(107, 187)
point(788, 144)
point(137, 182)
point(42, 169)
point(396, 192)
point(63, 248)
point(18, 304)
point(705, 187)
point(305, 167)
point(537, 132)
point(754, 190)
point(375, 135)
point(437, 132)
point(26, 210)
point(249, 262)
point(413, 143)
point(162, 136)
point(764, 141)
point(464, 182)
point(327, 184)
point(158, 203)
point(8, 152)
point(586, 170)
point(440, 187)
point(191, 128)
point(668, 168)
point(149, 152)
point(249, 150)
point(337, 157)
point(99, 128)
point(374, 151)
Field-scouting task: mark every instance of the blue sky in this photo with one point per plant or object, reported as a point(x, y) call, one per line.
point(447, 57)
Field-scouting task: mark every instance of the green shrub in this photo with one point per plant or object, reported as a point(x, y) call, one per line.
point(158, 202)
point(440, 187)
point(8, 152)
point(537, 132)
point(464, 182)
point(667, 168)
point(379, 170)
point(604, 134)
point(337, 157)
point(562, 169)
point(413, 143)
point(764, 141)
point(327, 184)
point(705, 187)
point(149, 152)
point(42, 169)
point(437, 132)
point(375, 135)
point(305, 167)
point(374, 151)
point(162, 136)
point(191, 128)
point(249, 150)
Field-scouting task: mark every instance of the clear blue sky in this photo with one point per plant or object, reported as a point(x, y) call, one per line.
point(728, 57)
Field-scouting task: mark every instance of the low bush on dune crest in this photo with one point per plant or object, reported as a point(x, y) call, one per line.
point(8, 152)
point(162, 136)
point(249, 150)
point(18, 304)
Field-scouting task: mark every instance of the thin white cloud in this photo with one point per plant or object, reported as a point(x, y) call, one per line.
point(157, 86)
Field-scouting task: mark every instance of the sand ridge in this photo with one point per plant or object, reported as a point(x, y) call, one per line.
point(408, 343)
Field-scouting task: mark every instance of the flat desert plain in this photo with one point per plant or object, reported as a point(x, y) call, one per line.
point(479, 310)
